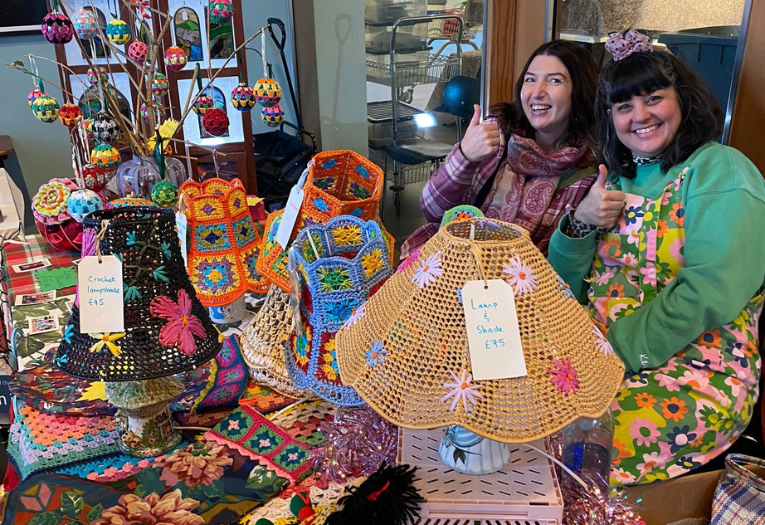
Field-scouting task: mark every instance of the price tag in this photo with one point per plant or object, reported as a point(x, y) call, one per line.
point(181, 224)
point(100, 288)
point(291, 210)
point(494, 339)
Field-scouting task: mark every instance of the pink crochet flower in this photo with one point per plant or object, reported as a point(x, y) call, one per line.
point(564, 376)
point(182, 325)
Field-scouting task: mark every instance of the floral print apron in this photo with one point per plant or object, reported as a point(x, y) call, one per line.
point(673, 419)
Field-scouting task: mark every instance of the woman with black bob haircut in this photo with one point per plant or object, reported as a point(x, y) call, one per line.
point(530, 160)
point(667, 253)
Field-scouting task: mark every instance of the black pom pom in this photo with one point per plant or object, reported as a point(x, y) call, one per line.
point(387, 497)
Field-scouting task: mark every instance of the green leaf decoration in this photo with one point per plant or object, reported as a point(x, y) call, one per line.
point(159, 274)
point(95, 512)
point(72, 504)
point(46, 518)
point(459, 455)
point(27, 346)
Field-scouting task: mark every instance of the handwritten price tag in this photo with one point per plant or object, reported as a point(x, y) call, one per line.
point(291, 210)
point(100, 288)
point(494, 339)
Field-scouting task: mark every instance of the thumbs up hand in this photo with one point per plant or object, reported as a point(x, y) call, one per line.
point(480, 140)
point(601, 207)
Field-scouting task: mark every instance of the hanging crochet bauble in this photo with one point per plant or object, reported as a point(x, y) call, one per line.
point(96, 75)
point(82, 202)
point(34, 95)
point(106, 157)
point(45, 108)
point(57, 28)
point(118, 32)
point(164, 194)
point(85, 24)
point(69, 114)
point(137, 51)
point(175, 58)
point(203, 103)
point(215, 122)
point(105, 128)
point(95, 178)
point(158, 112)
point(267, 92)
point(273, 116)
point(242, 97)
point(159, 85)
point(221, 11)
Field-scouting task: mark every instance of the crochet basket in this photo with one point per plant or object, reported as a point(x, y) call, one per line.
point(406, 353)
point(167, 330)
point(338, 183)
point(338, 266)
point(224, 244)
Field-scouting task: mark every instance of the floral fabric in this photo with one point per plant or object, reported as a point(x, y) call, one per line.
point(676, 418)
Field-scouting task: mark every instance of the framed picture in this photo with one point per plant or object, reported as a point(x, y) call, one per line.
point(188, 29)
point(88, 96)
point(220, 92)
point(94, 47)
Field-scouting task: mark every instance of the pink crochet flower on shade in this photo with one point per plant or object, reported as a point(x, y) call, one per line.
point(462, 389)
point(182, 325)
point(564, 376)
point(521, 276)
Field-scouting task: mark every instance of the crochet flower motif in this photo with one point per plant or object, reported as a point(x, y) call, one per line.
point(565, 288)
point(171, 508)
point(376, 353)
point(564, 376)
point(462, 389)
point(602, 343)
point(182, 325)
point(106, 340)
point(355, 316)
point(522, 277)
point(197, 464)
point(427, 273)
point(372, 262)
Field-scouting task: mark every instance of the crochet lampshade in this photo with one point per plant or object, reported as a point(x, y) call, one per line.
point(338, 266)
point(167, 330)
point(224, 244)
point(406, 353)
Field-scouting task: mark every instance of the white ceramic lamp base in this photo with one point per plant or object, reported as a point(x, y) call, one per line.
point(469, 453)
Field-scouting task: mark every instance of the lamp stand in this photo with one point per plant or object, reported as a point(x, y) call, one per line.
point(469, 453)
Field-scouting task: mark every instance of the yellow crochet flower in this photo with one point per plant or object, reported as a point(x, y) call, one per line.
point(106, 339)
point(345, 235)
point(372, 262)
point(330, 365)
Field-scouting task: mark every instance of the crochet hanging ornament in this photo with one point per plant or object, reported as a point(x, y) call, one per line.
point(69, 114)
point(94, 177)
point(105, 128)
point(221, 11)
point(164, 194)
point(137, 51)
point(202, 104)
point(97, 75)
point(35, 94)
point(159, 85)
point(175, 58)
point(160, 113)
point(106, 157)
point(272, 116)
point(85, 24)
point(83, 202)
point(118, 32)
point(215, 121)
point(45, 108)
point(57, 28)
point(267, 92)
point(242, 97)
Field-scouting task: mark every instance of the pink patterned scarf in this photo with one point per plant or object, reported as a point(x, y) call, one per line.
point(527, 180)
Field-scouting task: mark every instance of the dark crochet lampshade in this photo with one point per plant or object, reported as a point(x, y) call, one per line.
point(167, 330)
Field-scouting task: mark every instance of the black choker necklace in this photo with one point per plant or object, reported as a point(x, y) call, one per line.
point(642, 161)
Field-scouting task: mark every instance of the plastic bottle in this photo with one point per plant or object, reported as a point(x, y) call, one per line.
point(587, 444)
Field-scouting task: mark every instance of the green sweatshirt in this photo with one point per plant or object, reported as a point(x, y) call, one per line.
point(724, 201)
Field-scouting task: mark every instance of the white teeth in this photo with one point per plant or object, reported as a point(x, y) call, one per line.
point(646, 130)
point(538, 107)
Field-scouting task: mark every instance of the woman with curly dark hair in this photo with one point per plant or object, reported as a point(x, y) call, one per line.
point(531, 160)
point(667, 253)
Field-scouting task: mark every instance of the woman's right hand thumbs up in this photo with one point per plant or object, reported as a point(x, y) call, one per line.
point(601, 207)
point(480, 140)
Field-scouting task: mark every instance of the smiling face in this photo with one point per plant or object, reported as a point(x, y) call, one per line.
point(546, 97)
point(647, 123)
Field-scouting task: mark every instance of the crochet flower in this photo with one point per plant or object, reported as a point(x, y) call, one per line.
point(170, 509)
point(522, 277)
point(50, 202)
point(182, 325)
point(565, 288)
point(106, 339)
point(347, 235)
point(427, 273)
point(462, 389)
point(372, 262)
point(355, 316)
point(564, 376)
point(376, 353)
point(197, 464)
point(602, 343)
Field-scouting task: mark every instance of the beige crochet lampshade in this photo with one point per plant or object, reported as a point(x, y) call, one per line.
point(406, 351)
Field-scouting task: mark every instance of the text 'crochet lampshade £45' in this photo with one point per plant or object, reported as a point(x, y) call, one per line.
point(406, 353)
point(223, 245)
point(338, 266)
point(166, 329)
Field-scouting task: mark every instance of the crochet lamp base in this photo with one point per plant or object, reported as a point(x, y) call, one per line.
point(144, 421)
point(469, 453)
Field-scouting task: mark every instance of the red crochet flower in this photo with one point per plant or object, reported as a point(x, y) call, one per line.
point(182, 325)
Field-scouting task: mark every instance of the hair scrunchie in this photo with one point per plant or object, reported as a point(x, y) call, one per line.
point(623, 44)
